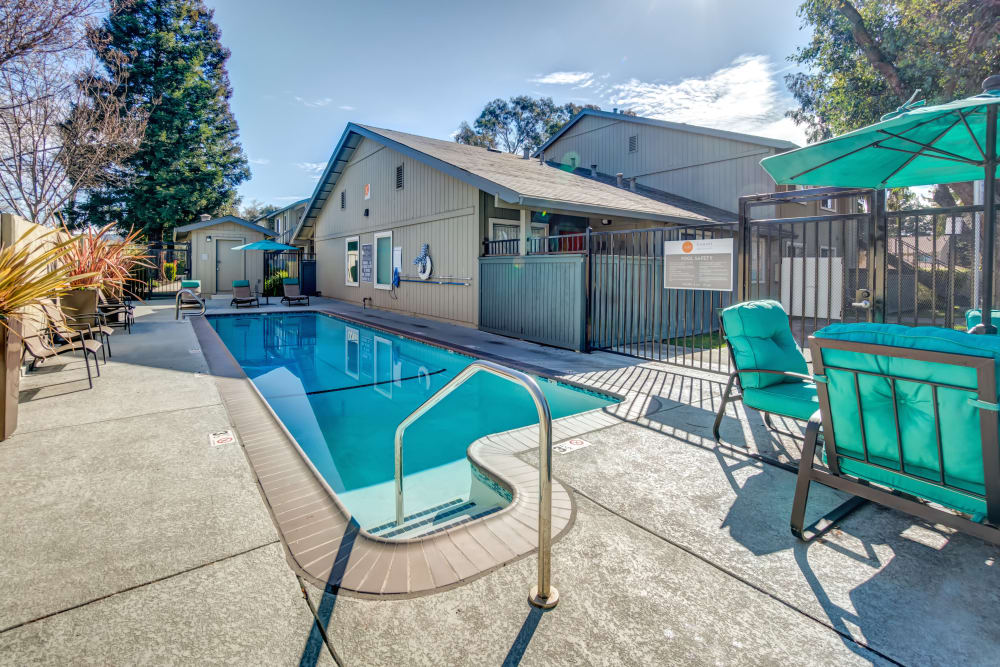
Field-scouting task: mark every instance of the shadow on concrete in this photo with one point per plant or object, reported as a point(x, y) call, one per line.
point(523, 638)
point(317, 639)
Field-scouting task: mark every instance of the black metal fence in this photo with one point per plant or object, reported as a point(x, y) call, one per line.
point(171, 263)
point(631, 311)
point(288, 264)
point(844, 258)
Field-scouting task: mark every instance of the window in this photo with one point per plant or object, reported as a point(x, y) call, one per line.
point(633, 143)
point(383, 260)
point(351, 261)
point(399, 177)
point(343, 199)
point(828, 204)
point(277, 225)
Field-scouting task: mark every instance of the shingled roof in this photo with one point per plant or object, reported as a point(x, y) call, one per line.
point(513, 179)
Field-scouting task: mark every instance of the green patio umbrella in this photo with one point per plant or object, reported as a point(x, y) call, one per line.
point(266, 244)
point(913, 145)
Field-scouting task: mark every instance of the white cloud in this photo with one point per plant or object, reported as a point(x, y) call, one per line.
point(260, 160)
point(746, 96)
point(314, 103)
point(346, 107)
point(578, 79)
point(311, 167)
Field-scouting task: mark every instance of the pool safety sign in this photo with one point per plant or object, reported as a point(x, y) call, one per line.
point(366, 262)
point(698, 264)
point(570, 445)
point(220, 438)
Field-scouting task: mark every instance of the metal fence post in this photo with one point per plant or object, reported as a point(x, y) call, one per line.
point(880, 257)
point(587, 324)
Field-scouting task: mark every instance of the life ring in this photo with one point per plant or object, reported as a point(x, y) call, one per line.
point(425, 269)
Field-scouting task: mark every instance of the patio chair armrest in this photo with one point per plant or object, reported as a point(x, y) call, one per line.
point(99, 318)
point(800, 376)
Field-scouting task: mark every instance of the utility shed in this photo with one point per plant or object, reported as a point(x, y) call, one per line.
point(213, 260)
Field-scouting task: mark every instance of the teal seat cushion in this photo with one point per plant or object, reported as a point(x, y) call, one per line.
point(759, 336)
point(241, 283)
point(920, 418)
point(289, 281)
point(790, 399)
point(975, 316)
point(191, 283)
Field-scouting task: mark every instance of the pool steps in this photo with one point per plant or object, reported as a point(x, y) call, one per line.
point(434, 519)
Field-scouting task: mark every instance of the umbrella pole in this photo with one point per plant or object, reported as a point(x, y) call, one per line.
point(990, 218)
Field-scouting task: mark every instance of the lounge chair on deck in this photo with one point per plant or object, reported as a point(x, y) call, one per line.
point(908, 416)
point(39, 346)
point(293, 296)
point(242, 295)
point(116, 313)
point(769, 370)
point(78, 326)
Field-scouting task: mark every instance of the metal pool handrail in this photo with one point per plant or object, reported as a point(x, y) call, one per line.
point(544, 594)
point(177, 302)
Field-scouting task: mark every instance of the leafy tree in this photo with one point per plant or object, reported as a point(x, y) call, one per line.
point(867, 57)
point(190, 161)
point(520, 123)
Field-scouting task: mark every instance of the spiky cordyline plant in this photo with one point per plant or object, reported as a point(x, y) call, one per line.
point(100, 260)
point(27, 275)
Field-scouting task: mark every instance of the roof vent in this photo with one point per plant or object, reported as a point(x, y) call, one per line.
point(527, 152)
point(493, 150)
point(619, 177)
point(593, 171)
point(204, 217)
point(615, 110)
point(631, 184)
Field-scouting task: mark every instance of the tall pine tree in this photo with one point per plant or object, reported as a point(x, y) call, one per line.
point(190, 161)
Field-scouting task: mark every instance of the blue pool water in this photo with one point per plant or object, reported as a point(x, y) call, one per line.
point(341, 390)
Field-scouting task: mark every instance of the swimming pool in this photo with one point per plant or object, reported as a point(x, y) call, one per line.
point(341, 389)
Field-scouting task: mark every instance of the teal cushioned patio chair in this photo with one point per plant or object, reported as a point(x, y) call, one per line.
point(909, 415)
point(292, 294)
point(974, 317)
point(242, 296)
point(769, 370)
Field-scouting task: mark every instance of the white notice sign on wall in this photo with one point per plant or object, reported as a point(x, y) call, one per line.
point(698, 264)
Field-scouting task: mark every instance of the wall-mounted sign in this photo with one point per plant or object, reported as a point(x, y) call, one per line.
point(368, 190)
point(366, 263)
point(698, 264)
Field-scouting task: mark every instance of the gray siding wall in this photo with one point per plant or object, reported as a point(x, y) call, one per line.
point(431, 208)
point(536, 298)
point(708, 169)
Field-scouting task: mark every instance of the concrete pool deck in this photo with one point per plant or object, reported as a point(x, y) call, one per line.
point(130, 540)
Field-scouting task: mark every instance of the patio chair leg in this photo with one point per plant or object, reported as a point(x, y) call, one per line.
point(107, 344)
point(805, 475)
point(722, 408)
point(90, 379)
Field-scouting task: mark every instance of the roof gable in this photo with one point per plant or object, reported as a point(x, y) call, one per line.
point(226, 218)
point(512, 178)
point(780, 144)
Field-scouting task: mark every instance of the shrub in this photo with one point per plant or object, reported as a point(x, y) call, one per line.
point(272, 284)
point(170, 271)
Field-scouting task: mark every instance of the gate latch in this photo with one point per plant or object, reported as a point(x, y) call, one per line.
point(863, 299)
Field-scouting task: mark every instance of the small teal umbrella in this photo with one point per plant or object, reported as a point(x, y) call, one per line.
point(266, 244)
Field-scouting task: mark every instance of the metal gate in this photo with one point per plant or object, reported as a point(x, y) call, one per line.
point(836, 255)
point(170, 264)
point(629, 310)
point(288, 264)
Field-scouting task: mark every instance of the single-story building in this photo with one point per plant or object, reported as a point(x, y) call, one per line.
point(386, 195)
point(213, 260)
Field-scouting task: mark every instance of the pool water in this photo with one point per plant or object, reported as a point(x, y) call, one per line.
point(341, 389)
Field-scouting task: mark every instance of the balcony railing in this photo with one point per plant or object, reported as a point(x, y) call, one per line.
point(537, 245)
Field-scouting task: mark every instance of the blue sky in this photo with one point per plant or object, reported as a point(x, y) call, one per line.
point(301, 69)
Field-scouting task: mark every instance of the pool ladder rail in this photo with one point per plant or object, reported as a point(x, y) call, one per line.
point(187, 300)
point(544, 594)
